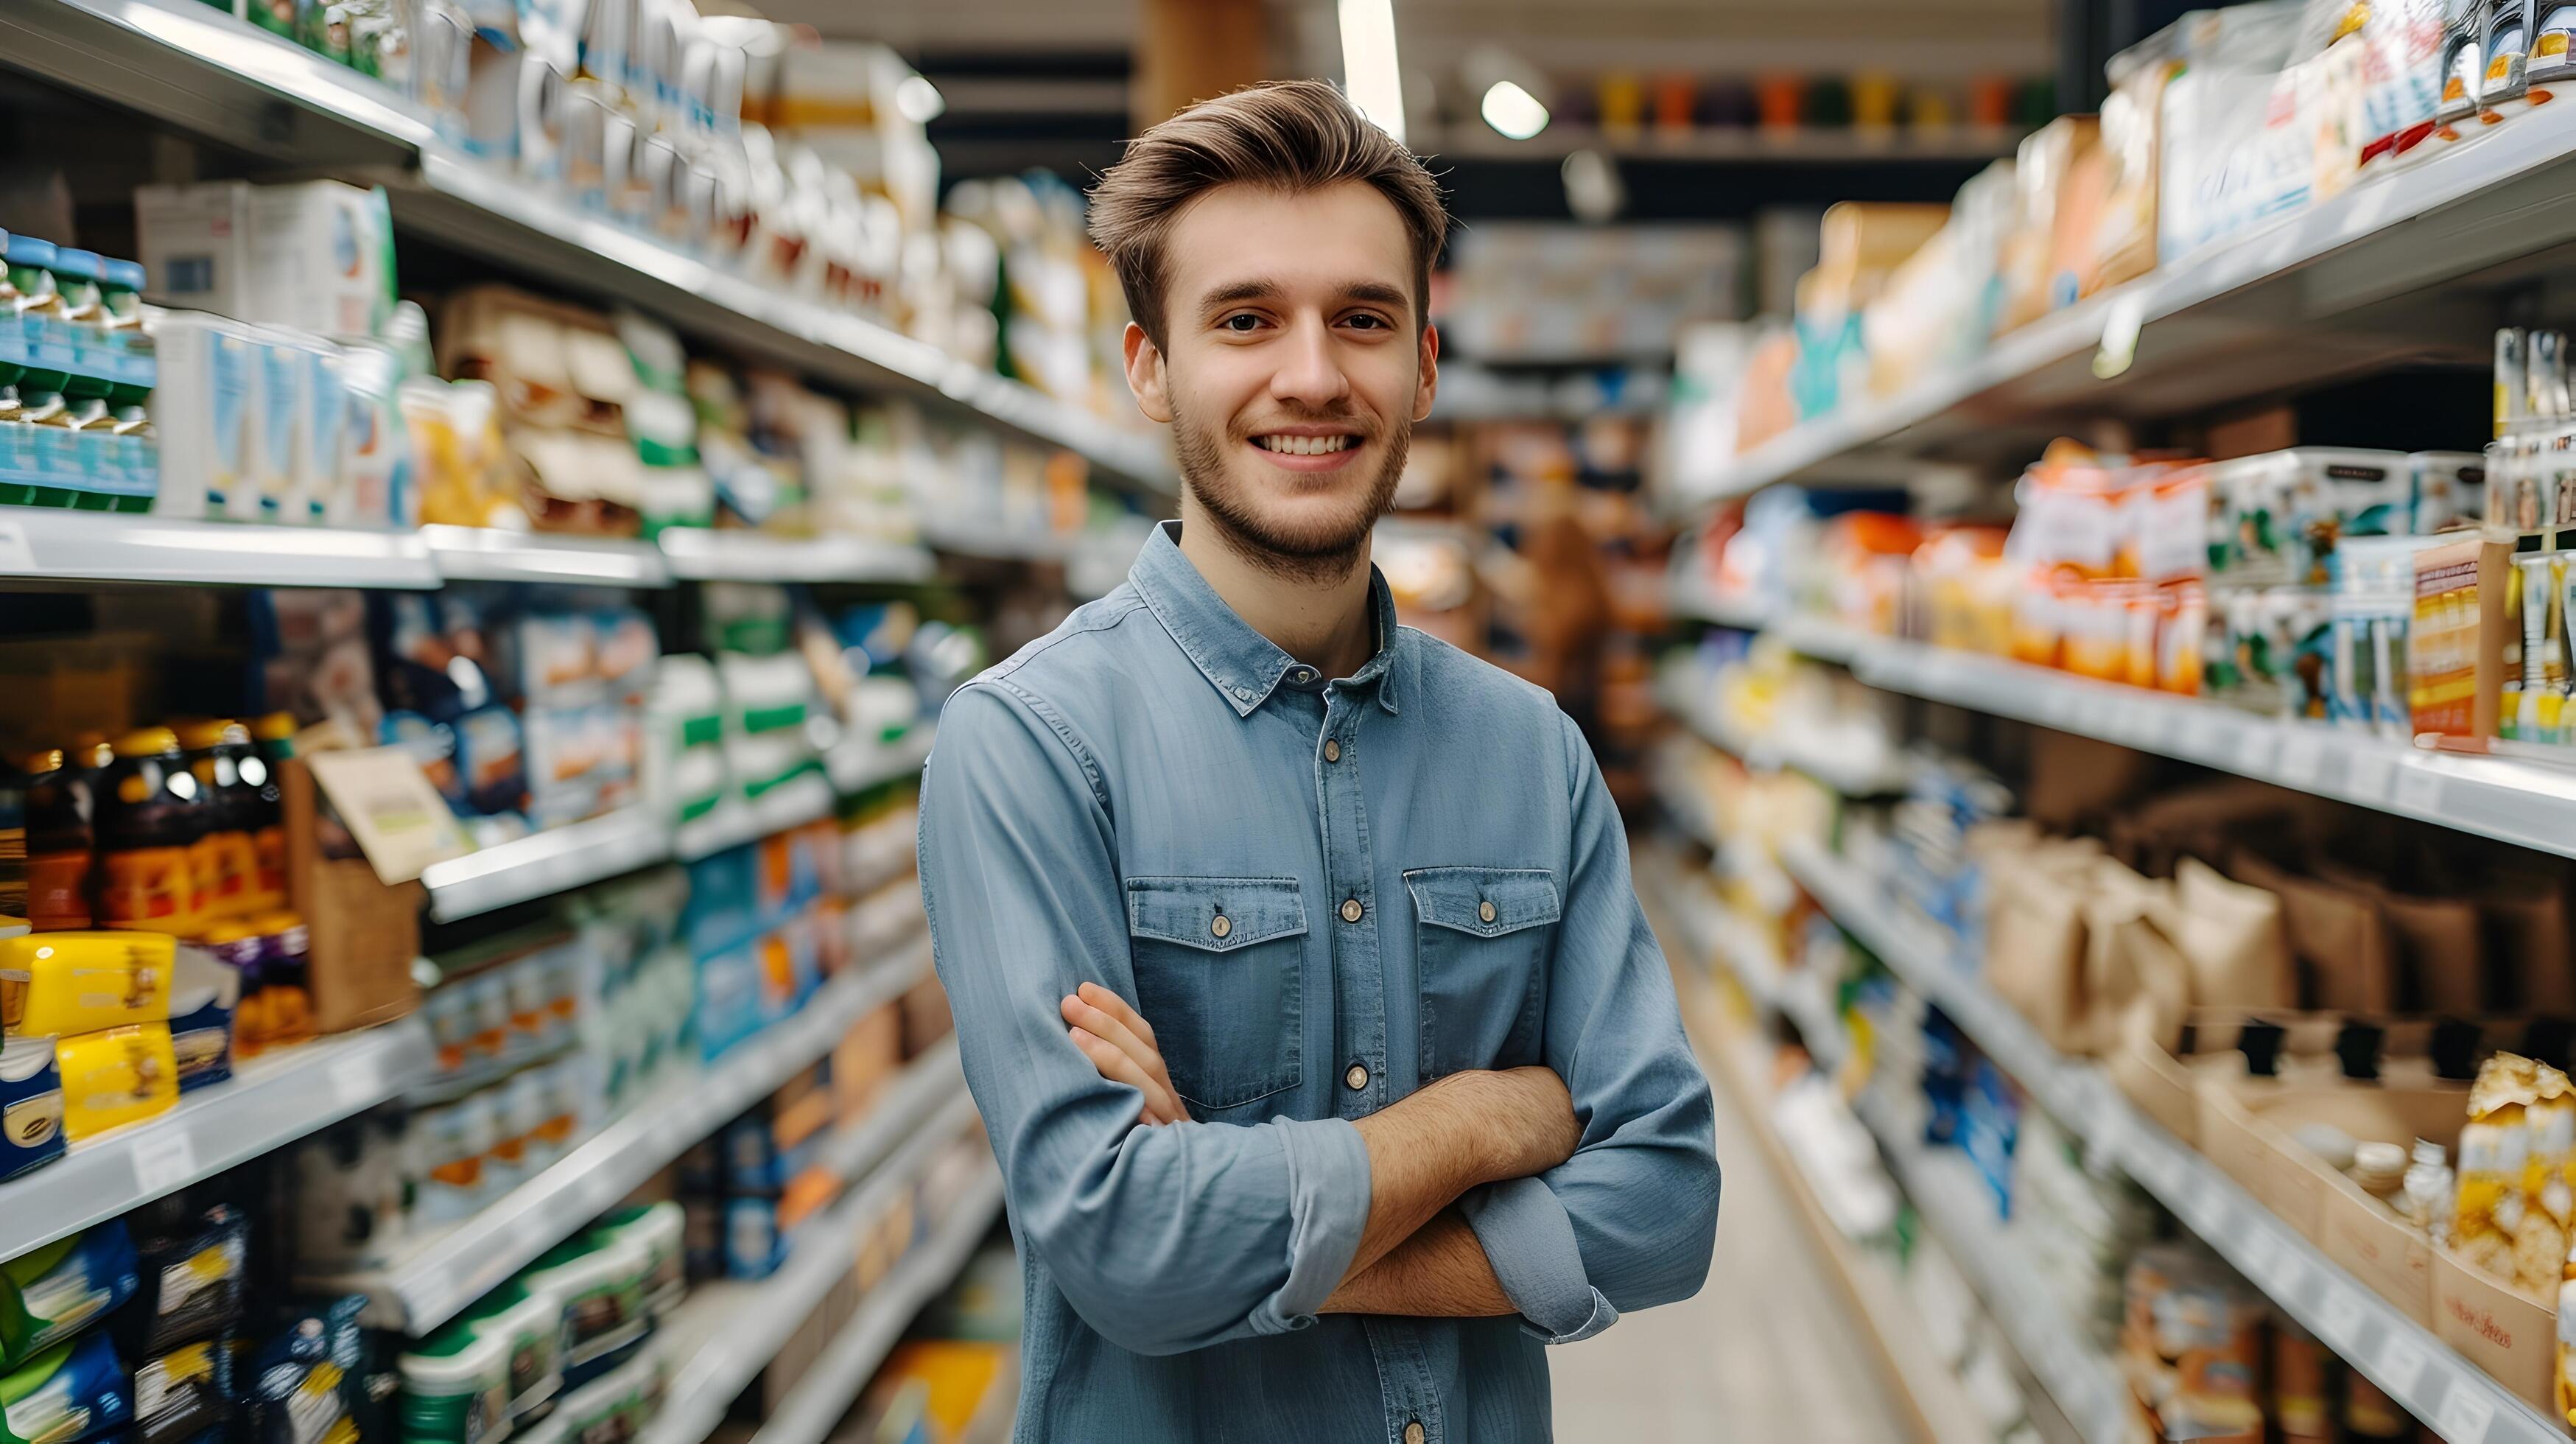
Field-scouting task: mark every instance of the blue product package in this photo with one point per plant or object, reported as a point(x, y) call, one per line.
point(1990, 1125)
point(204, 992)
point(753, 1247)
point(729, 1005)
point(305, 1385)
point(751, 1161)
point(75, 1391)
point(719, 914)
point(54, 1292)
point(31, 1105)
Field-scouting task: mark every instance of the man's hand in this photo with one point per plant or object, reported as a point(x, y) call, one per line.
point(1121, 1045)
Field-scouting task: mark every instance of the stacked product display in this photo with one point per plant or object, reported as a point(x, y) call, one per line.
point(798, 165)
point(2224, 121)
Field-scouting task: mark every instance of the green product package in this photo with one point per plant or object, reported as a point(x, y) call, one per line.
point(456, 1389)
point(53, 1293)
point(72, 1391)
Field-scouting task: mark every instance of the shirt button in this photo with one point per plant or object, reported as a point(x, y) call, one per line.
point(1221, 926)
point(1484, 911)
point(1351, 910)
point(1357, 1077)
point(1332, 751)
point(1413, 1432)
point(1305, 674)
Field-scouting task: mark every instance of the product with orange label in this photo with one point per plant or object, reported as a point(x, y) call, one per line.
point(59, 846)
point(149, 814)
point(225, 859)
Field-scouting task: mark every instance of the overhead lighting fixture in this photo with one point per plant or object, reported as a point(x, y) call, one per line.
point(1513, 112)
point(918, 100)
point(1369, 74)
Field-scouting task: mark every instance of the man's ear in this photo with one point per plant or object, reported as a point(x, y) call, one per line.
point(1145, 374)
point(1428, 386)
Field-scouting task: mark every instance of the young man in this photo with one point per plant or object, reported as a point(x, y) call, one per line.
point(1330, 1063)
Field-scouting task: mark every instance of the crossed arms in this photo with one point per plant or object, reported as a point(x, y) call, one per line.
point(1416, 1256)
point(1573, 1199)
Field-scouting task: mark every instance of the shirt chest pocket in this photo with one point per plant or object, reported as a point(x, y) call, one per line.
point(1481, 935)
point(1220, 977)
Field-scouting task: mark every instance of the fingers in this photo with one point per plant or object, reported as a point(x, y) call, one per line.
point(1116, 1066)
point(1110, 1028)
point(1116, 1007)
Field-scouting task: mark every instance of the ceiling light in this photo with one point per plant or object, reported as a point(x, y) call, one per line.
point(918, 100)
point(1369, 74)
point(1514, 112)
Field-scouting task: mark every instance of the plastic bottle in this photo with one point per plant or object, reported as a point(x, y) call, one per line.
point(274, 738)
point(59, 846)
point(224, 859)
point(150, 814)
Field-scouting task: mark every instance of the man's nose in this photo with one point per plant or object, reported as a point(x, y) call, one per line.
point(1309, 372)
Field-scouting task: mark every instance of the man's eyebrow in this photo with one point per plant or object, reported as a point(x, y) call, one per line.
point(1377, 293)
point(1234, 291)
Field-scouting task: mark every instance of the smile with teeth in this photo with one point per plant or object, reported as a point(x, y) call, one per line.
point(1304, 445)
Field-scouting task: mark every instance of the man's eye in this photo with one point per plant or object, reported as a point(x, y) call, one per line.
point(1241, 322)
point(1367, 322)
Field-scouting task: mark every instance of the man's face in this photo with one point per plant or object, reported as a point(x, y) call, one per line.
point(1294, 365)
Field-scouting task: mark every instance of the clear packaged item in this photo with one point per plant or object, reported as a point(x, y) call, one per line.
point(2506, 89)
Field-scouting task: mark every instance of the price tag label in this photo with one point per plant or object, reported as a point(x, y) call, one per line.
point(2302, 758)
point(16, 555)
point(2401, 1366)
point(164, 1162)
point(2120, 326)
point(358, 1080)
point(2465, 1413)
point(2419, 791)
point(2371, 773)
point(2339, 1318)
point(2255, 747)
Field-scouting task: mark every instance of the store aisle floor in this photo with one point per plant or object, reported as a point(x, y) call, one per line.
point(1767, 1351)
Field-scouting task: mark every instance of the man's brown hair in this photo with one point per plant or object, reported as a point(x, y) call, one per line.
point(1285, 135)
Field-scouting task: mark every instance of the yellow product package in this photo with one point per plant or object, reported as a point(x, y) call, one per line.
point(116, 1077)
point(2494, 1149)
point(66, 983)
point(2549, 1172)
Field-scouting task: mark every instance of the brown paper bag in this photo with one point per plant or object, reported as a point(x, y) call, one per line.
point(2035, 945)
point(2338, 934)
point(2133, 976)
point(2077, 780)
point(2230, 936)
point(2524, 928)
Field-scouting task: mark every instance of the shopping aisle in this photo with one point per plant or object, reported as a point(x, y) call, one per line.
point(1765, 1351)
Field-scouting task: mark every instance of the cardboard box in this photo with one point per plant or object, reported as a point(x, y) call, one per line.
point(364, 934)
point(316, 255)
point(2247, 1128)
point(2510, 1334)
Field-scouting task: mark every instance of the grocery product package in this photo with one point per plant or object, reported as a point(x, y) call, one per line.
point(2035, 940)
point(2225, 159)
point(55, 1292)
point(2339, 935)
point(2040, 170)
point(2232, 938)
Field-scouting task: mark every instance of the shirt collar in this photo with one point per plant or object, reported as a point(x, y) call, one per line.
point(1244, 666)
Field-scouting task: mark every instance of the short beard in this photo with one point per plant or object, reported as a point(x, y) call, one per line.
point(1307, 558)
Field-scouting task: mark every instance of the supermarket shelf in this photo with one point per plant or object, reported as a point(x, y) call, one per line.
point(542, 864)
point(859, 763)
point(965, 537)
point(49, 544)
point(1697, 602)
point(2400, 268)
point(1802, 146)
point(489, 554)
point(2459, 1400)
point(1954, 1205)
point(1776, 991)
point(1941, 1408)
point(2525, 803)
point(809, 1411)
point(270, 1102)
point(450, 1270)
point(224, 79)
point(1795, 751)
point(729, 1334)
point(735, 822)
point(701, 554)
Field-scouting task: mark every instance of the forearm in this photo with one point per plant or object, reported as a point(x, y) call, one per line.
point(1464, 1130)
point(1440, 1272)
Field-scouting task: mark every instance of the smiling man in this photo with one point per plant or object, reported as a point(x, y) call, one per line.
point(1332, 1068)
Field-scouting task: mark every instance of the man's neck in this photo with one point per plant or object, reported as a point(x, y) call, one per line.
point(1322, 622)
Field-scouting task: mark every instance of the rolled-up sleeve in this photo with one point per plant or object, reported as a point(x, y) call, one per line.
point(1162, 1238)
point(1631, 1219)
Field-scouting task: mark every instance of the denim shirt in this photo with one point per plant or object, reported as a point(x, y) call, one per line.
point(1321, 895)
